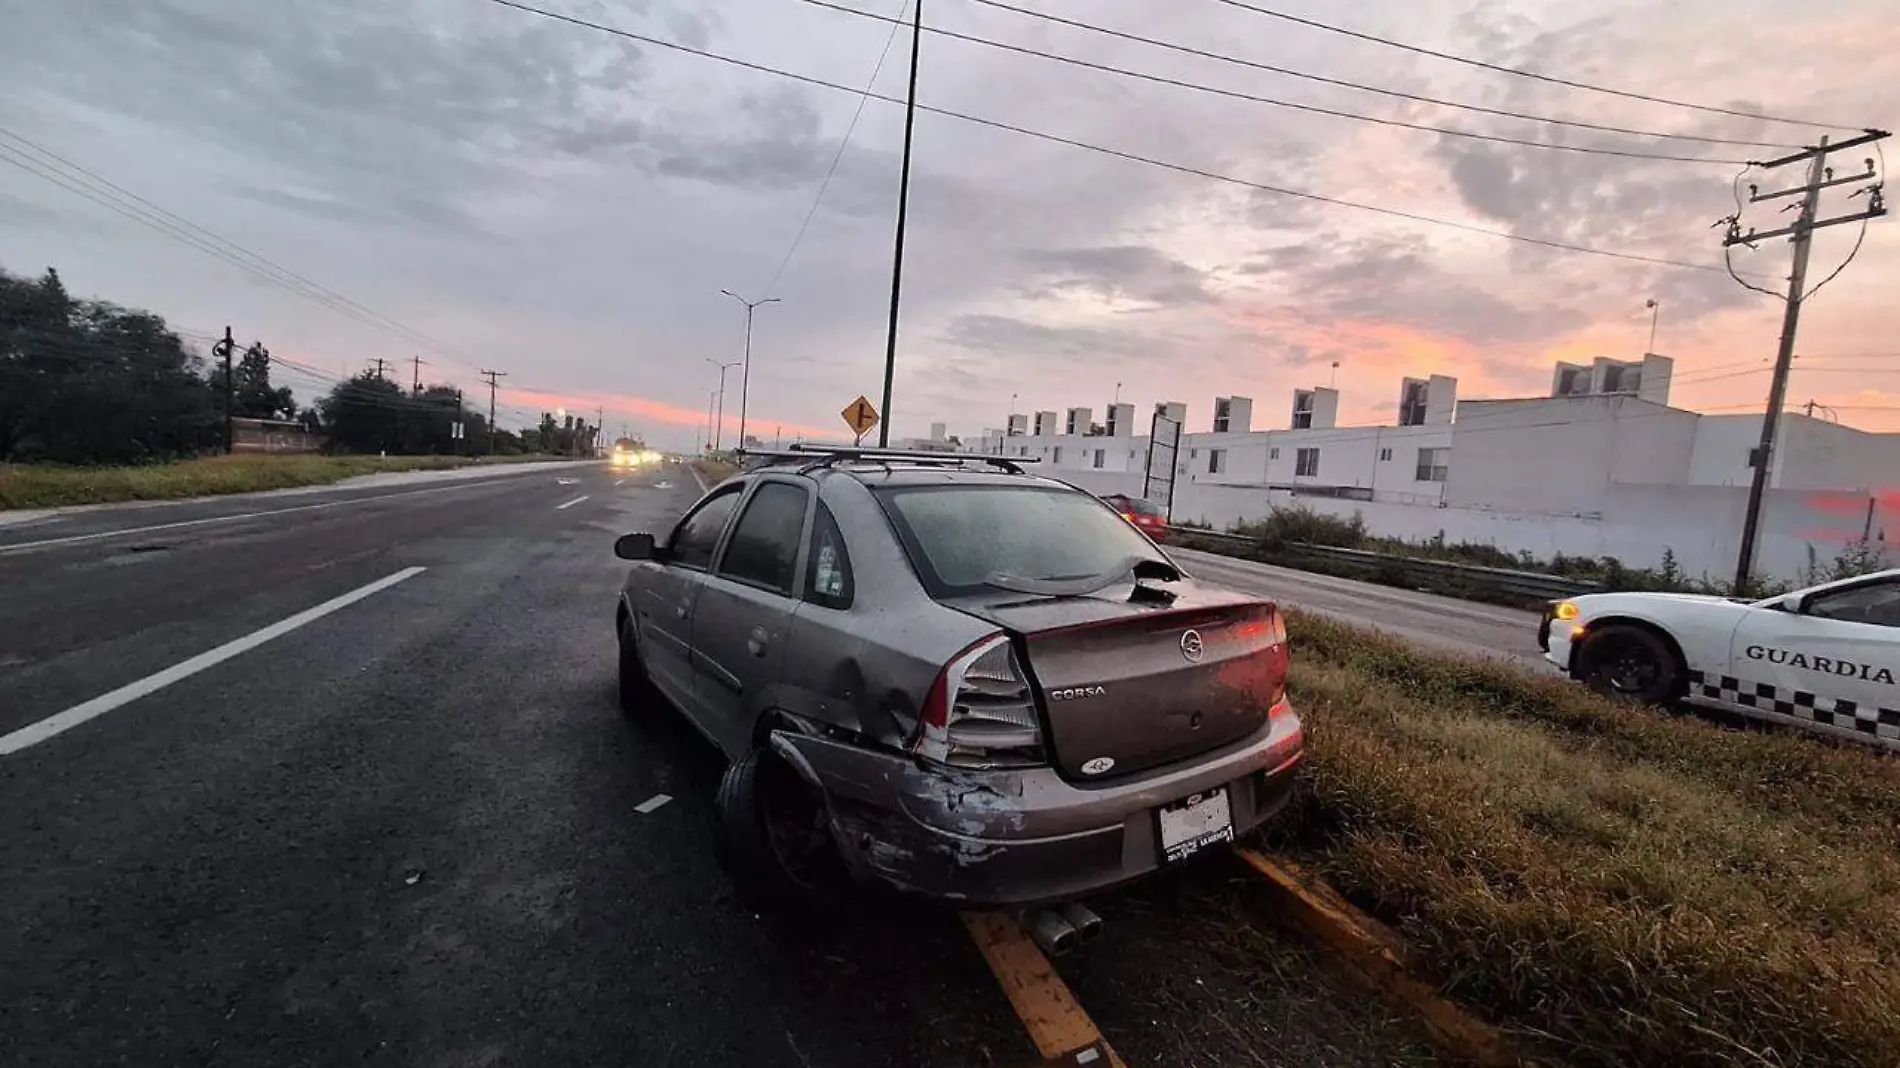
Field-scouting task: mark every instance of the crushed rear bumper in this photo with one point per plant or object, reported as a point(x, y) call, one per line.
point(1025, 836)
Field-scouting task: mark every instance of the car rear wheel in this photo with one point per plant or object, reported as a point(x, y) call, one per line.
point(636, 689)
point(1631, 662)
point(774, 836)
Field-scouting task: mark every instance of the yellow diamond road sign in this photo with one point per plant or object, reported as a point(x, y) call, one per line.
point(860, 416)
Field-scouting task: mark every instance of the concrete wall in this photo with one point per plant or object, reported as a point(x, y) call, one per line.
point(1560, 455)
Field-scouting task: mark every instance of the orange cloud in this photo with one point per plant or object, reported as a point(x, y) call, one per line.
point(628, 406)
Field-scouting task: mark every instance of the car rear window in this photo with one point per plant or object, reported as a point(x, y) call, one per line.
point(956, 536)
point(1138, 506)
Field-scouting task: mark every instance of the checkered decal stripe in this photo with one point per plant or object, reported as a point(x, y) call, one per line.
point(1880, 722)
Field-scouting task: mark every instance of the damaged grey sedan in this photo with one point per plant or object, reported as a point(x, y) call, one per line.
point(942, 673)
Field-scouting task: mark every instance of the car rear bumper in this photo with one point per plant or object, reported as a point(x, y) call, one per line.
point(1024, 837)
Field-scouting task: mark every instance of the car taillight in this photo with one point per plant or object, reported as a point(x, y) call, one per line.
point(980, 712)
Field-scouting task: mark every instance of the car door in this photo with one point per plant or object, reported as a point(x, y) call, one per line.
point(745, 610)
point(1832, 657)
point(665, 603)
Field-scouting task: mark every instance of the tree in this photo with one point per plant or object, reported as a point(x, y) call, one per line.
point(85, 381)
point(254, 397)
point(364, 414)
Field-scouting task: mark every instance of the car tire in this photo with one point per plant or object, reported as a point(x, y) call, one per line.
point(1633, 663)
point(637, 694)
point(774, 838)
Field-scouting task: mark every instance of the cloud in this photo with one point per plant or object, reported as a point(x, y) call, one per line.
point(1136, 273)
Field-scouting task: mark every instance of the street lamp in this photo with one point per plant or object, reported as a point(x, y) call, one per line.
point(1655, 312)
point(745, 375)
point(719, 428)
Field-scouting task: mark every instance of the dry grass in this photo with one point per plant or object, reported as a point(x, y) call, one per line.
point(50, 485)
point(715, 471)
point(1639, 888)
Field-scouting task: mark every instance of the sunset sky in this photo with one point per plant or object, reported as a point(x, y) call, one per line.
point(566, 205)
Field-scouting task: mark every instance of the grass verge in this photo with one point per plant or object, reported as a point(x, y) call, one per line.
point(51, 485)
point(1636, 888)
point(714, 471)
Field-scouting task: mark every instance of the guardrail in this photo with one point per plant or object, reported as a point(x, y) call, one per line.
point(1527, 584)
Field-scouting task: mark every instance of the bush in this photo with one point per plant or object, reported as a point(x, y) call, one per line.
point(1642, 888)
point(1296, 525)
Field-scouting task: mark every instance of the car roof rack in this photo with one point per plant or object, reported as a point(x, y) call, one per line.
point(820, 456)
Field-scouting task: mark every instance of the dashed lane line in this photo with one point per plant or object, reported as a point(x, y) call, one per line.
point(570, 504)
point(34, 733)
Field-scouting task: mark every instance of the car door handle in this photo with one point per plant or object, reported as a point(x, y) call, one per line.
point(758, 641)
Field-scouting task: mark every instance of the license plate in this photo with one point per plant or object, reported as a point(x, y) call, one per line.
point(1194, 823)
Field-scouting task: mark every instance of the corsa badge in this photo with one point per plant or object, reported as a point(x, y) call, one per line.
point(1191, 646)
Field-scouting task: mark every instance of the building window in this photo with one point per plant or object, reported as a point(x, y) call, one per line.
point(1058, 454)
point(1273, 454)
point(1306, 463)
point(1216, 460)
point(1385, 454)
point(1194, 454)
point(1302, 410)
point(1101, 455)
point(1570, 382)
point(1223, 410)
point(1433, 464)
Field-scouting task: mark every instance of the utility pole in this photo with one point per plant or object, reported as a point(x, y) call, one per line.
point(903, 209)
point(719, 427)
point(710, 394)
point(745, 375)
point(418, 361)
point(379, 367)
point(493, 377)
point(1820, 176)
point(225, 348)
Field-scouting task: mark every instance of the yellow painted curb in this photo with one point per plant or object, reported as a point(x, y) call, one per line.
point(1372, 952)
point(1062, 1032)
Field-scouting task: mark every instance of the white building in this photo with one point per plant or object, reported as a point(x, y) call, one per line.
point(1602, 467)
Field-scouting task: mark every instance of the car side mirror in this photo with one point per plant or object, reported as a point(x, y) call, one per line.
point(636, 547)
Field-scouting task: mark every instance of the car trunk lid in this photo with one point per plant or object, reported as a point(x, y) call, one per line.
point(1132, 684)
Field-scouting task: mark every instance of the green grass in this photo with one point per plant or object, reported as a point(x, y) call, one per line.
point(1638, 888)
point(51, 485)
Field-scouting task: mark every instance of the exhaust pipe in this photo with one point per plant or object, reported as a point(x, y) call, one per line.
point(1079, 916)
point(1054, 934)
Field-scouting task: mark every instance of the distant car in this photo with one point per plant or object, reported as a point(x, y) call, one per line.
point(975, 685)
point(1146, 515)
point(1827, 657)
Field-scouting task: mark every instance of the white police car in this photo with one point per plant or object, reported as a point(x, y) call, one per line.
point(1826, 657)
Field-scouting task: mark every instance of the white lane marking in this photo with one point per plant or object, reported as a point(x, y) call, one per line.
point(179, 525)
point(571, 503)
point(619, 481)
point(694, 471)
point(565, 481)
point(646, 807)
point(34, 733)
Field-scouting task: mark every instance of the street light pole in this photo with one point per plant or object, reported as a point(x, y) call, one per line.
point(719, 428)
point(745, 375)
point(903, 209)
point(1655, 311)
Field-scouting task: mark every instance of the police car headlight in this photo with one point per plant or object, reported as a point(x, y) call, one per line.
point(1564, 610)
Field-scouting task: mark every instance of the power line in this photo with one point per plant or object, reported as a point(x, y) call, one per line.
point(1394, 93)
point(95, 187)
point(1313, 109)
point(1522, 73)
point(863, 98)
point(1106, 151)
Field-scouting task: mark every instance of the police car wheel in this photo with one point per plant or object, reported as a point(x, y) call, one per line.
point(1631, 662)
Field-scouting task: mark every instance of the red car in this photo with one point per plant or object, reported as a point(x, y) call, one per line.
point(1147, 516)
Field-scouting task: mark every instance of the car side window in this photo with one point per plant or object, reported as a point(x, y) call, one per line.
point(828, 567)
point(1877, 603)
point(764, 546)
point(697, 535)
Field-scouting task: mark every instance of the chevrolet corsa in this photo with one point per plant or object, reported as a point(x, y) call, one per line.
point(970, 683)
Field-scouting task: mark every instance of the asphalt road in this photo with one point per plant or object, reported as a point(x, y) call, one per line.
point(341, 780)
point(1426, 619)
